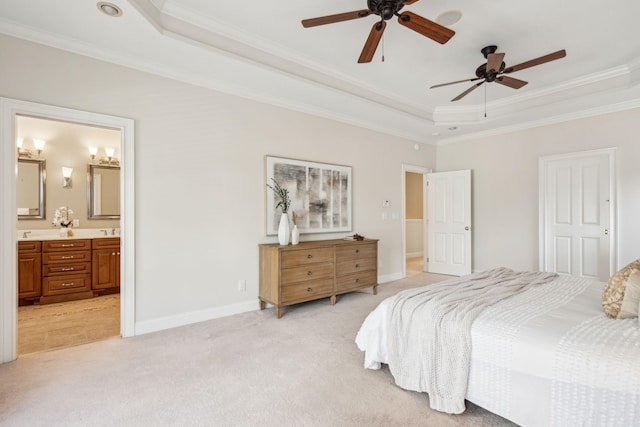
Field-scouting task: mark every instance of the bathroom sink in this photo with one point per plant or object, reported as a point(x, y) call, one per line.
point(78, 233)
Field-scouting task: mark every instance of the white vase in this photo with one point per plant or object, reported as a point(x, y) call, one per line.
point(295, 235)
point(283, 230)
point(64, 232)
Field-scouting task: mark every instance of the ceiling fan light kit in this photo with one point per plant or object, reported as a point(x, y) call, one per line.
point(386, 9)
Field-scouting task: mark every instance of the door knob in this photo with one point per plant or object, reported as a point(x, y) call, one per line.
point(467, 228)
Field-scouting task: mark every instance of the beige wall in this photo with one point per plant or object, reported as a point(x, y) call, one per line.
point(414, 198)
point(200, 183)
point(505, 184)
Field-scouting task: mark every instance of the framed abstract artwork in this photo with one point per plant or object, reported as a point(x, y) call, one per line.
point(320, 195)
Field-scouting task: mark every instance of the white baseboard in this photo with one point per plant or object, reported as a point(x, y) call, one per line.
point(414, 254)
point(155, 325)
point(389, 277)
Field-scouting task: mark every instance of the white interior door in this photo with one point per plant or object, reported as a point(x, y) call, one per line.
point(577, 192)
point(449, 222)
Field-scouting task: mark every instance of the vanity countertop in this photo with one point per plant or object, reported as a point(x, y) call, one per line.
point(79, 233)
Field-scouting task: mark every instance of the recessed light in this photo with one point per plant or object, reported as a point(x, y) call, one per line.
point(453, 128)
point(109, 9)
point(449, 17)
point(435, 133)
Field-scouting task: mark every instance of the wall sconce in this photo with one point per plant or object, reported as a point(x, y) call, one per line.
point(108, 160)
point(25, 153)
point(66, 177)
point(39, 144)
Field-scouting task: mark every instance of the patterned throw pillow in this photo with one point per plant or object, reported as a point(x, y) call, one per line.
point(631, 300)
point(613, 294)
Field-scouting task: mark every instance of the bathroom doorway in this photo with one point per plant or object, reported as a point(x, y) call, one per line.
point(414, 219)
point(51, 316)
point(10, 110)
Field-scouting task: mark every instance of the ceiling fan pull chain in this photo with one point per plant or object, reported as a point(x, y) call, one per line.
point(485, 101)
point(383, 48)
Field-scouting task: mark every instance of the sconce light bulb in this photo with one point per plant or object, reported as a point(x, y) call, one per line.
point(20, 142)
point(39, 144)
point(66, 172)
point(109, 151)
point(92, 152)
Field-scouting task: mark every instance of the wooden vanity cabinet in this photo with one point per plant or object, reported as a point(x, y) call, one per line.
point(313, 270)
point(105, 259)
point(66, 270)
point(29, 271)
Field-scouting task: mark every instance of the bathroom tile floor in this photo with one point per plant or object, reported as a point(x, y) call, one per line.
point(66, 324)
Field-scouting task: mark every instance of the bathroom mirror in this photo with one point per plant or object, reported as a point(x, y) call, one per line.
point(30, 189)
point(103, 192)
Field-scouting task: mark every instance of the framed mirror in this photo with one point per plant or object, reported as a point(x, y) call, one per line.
point(30, 188)
point(103, 192)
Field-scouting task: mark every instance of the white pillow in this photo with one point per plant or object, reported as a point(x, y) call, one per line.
point(631, 300)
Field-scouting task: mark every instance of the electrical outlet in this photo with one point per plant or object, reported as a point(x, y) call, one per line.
point(76, 223)
point(242, 285)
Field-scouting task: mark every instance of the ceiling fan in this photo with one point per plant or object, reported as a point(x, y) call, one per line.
point(494, 70)
point(386, 9)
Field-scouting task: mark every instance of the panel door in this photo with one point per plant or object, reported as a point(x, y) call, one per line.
point(577, 216)
point(449, 222)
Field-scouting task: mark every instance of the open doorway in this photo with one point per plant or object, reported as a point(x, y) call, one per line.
point(10, 110)
point(68, 286)
point(414, 219)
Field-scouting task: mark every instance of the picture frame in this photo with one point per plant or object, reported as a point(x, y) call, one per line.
point(320, 193)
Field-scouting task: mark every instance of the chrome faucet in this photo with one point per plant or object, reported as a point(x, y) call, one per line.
point(25, 234)
point(113, 231)
point(105, 232)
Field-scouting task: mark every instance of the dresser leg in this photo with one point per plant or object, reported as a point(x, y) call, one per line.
point(262, 305)
point(278, 311)
point(333, 300)
point(375, 289)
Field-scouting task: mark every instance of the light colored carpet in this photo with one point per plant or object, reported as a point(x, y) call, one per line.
point(244, 370)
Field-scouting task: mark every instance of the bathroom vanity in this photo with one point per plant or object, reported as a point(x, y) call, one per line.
point(53, 269)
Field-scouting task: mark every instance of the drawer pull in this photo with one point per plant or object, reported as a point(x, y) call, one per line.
point(357, 251)
point(67, 256)
point(309, 256)
point(357, 265)
point(309, 273)
point(309, 289)
point(113, 254)
point(357, 280)
point(64, 245)
point(67, 269)
point(68, 284)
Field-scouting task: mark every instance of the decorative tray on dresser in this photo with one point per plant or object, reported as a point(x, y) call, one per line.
point(314, 270)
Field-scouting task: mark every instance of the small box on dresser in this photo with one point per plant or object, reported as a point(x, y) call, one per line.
point(314, 270)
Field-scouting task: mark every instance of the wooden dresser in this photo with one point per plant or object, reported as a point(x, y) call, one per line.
point(313, 270)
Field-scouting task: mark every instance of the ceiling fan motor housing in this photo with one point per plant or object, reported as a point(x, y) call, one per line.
point(386, 9)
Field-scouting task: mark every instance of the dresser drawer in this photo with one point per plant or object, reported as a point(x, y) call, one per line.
point(65, 245)
point(357, 280)
point(307, 291)
point(355, 265)
point(67, 269)
point(307, 272)
point(66, 257)
point(308, 256)
point(364, 250)
point(53, 285)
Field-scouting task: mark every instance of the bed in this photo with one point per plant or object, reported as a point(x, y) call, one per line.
point(546, 355)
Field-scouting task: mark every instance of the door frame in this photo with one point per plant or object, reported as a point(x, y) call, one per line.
point(424, 171)
point(542, 202)
point(9, 108)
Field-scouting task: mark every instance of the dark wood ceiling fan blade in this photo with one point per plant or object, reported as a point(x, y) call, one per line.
point(426, 27)
point(467, 92)
point(330, 19)
point(371, 44)
point(456, 82)
point(510, 82)
point(494, 61)
point(537, 61)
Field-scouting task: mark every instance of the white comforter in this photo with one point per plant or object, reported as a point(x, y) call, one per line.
point(546, 357)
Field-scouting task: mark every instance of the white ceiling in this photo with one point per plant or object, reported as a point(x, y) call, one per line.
point(258, 49)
